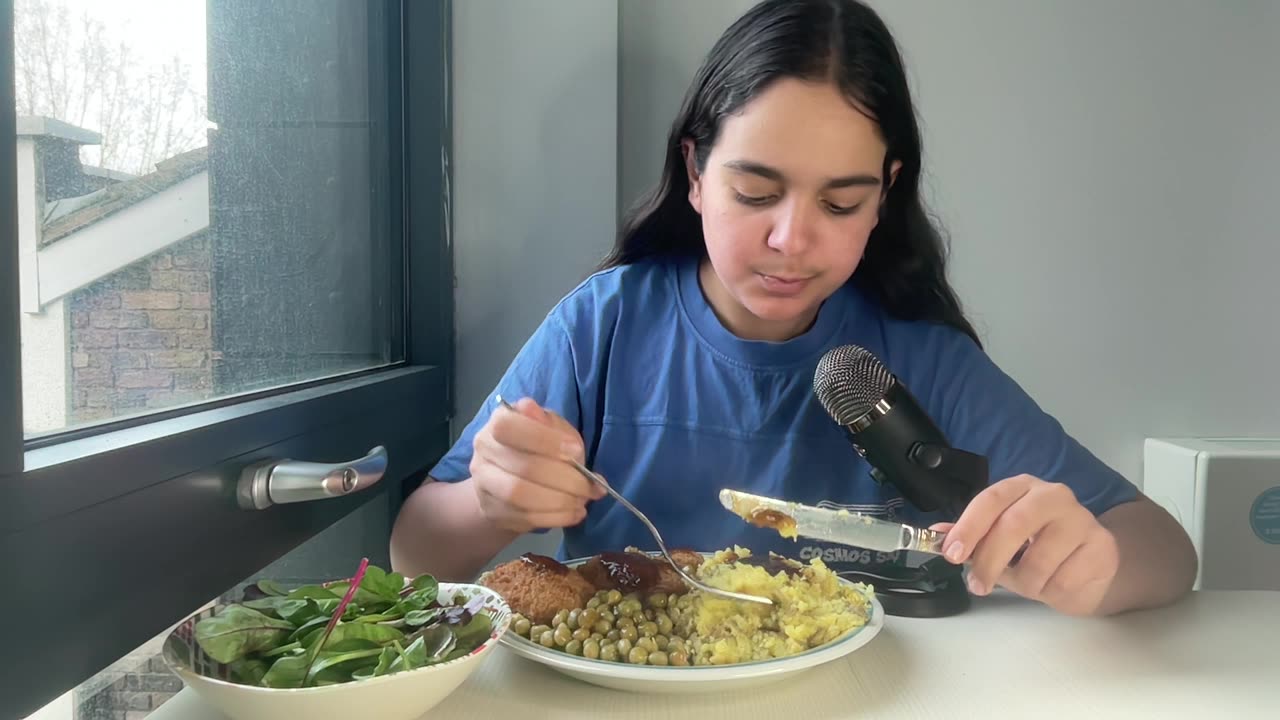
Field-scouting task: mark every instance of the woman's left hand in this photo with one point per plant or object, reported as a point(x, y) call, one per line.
point(1070, 559)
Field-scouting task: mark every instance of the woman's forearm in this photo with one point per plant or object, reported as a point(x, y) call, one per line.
point(1158, 563)
point(440, 530)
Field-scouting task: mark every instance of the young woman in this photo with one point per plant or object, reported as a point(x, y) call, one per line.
point(788, 221)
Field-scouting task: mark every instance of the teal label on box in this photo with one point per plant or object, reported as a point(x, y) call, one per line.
point(1264, 516)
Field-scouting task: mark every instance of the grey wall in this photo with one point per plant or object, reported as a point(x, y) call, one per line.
point(535, 172)
point(1112, 211)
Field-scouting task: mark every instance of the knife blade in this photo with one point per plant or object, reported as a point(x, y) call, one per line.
point(793, 519)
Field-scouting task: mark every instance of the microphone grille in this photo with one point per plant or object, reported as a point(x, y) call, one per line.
point(849, 382)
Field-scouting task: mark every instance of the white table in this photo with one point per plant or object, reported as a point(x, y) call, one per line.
point(1213, 654)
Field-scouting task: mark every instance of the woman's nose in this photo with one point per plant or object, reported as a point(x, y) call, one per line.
point(793, 231)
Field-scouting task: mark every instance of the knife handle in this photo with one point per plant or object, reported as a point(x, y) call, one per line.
point(922, 539)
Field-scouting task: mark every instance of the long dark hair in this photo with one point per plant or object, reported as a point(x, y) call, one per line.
point(844, 42)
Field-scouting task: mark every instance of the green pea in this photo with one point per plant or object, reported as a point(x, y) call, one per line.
point(637, 656)
point(574, 647)
point(547, 639)
point(591, 650)
point(624, 647)
point(657, 657)
point(609, 653)
point(649, 629)
point(614, 597)
point(665, 625)
point(661, 641)
point(658, 601)
point(522, 626)
point(602, 626)
point(593, 603)
point(587, 618)
point(563, 635)
point(647, 644)
point(581, 634)
point(679, 658)
point(536, 631)
point(613, 634)
point(629, 632)
point(574, 615)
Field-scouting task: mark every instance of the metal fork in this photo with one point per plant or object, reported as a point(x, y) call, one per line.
point(597, 479)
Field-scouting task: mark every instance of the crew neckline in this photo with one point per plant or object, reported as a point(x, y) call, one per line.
point(757, 353)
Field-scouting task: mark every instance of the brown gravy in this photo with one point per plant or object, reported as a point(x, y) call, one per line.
point(767, 518)
point(545, 564)
point(630, 572)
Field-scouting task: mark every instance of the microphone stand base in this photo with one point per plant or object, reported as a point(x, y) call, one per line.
point(934, 588)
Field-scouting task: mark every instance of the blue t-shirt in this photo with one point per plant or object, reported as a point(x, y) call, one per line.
point(673, 407)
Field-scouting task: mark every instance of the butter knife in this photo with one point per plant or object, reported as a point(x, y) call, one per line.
point(792, 519)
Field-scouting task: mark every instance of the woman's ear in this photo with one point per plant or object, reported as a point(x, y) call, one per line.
point(892, 177)
point(894, 167)
point(689, 151)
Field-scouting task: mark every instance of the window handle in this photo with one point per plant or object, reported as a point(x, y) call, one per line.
point(276, 482)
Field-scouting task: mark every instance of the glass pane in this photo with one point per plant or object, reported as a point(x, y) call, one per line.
point(139, 683)
point(205, 198)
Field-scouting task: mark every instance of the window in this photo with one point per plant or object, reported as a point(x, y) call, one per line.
point(225, 242)
point(182, 240)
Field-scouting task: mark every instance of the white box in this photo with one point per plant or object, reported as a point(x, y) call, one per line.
point(1226, 493)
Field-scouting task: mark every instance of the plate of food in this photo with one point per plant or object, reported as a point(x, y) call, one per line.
point(626, 620)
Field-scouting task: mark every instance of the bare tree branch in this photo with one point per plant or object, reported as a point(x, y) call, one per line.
point(144, 114)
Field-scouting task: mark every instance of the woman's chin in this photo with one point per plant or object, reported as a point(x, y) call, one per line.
point(790, 316)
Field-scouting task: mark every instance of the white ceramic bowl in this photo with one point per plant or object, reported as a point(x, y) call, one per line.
point(699, 679)
point(401, 696)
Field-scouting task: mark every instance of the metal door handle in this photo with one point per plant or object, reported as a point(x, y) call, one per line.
point(276, 482)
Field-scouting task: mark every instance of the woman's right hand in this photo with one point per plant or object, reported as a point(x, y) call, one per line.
point(520, 471)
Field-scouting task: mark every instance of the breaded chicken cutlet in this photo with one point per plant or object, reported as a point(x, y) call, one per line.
point(537, 586)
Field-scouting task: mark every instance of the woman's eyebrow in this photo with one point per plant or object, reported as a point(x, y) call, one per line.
point(769, 173)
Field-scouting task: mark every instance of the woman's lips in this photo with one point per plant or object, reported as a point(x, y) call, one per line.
point(783, 285)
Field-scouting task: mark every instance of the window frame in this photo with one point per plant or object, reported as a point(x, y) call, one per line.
point(11, 446)
point(118, 530)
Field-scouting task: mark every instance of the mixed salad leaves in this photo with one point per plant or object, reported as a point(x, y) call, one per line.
point(371, 625)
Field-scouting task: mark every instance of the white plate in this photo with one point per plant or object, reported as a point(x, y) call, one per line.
point(699, 679)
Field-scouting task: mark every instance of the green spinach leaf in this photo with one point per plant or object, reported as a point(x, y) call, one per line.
point(471, 636)
point(300, 611)
point(328, 660)
point(308, 627)
point(238, 631)
point(422, 617)
point(271, 587)
point(349, 636)
point(248, 671)
point(289, 671)
point(317, 592)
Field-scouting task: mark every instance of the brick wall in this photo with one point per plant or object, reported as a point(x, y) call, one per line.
point(130, 689)
point(132, 697)
point(141, 338)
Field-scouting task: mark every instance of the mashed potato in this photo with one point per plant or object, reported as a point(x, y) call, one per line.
point(811, 608)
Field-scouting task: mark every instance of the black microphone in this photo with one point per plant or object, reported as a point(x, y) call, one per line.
point(892, 432)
